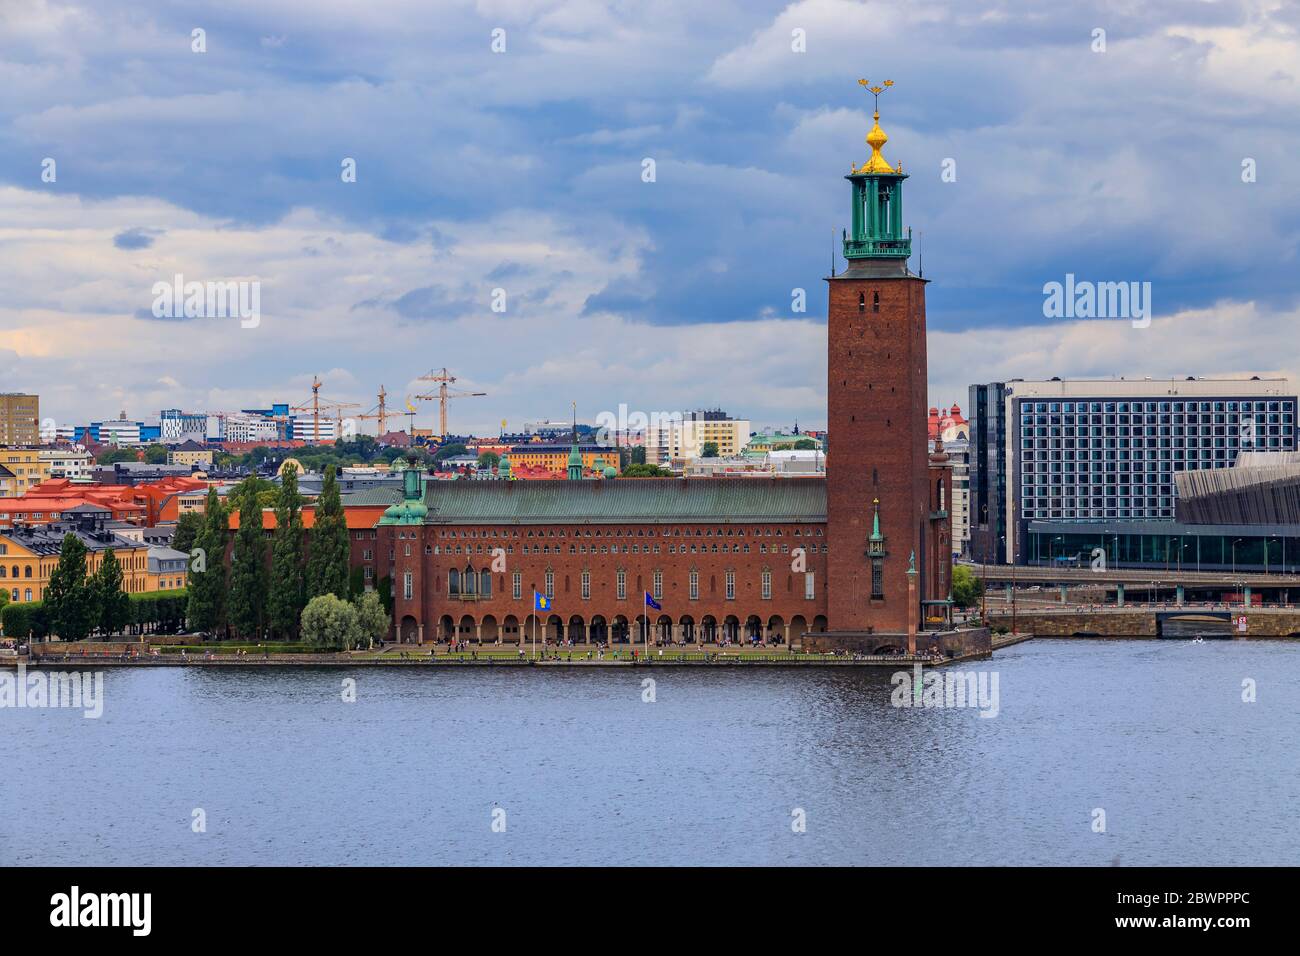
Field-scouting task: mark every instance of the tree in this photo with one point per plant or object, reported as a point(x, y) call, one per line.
point(372, 619)
point(805, 444)
point(328, 559)
point(489, 459)
point(187, 531)
point(248, 569)
point(206, 605)
point(287, 585)
point(260, 488)
point(966, 588)
point(68, 597)
point(646, 471)
point(111, 606)
point(710, 450)
point(330, 623)
point(156, 455)
point(638, 455)
point(447, 451)
point(114, 455)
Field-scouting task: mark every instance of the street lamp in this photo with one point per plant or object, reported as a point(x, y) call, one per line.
point(1234, 556)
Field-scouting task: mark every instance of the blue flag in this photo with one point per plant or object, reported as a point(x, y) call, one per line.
point(651, 602)
point(541, 602)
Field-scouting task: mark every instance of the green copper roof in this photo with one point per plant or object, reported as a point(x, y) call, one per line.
point(373, 496)
point(644, 500)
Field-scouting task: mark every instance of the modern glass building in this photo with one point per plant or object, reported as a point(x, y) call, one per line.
point(1171, 546)
point(1082, 459)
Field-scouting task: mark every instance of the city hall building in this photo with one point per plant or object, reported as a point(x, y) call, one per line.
point(860, 559)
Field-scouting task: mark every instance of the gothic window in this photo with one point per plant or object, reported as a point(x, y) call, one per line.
point(862, 302)
point(875, 302)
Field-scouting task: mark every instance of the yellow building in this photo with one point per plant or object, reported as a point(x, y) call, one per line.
point(25, 467)
point(555, 458)
point(191, 453)
point(29, 555)
point(20, 419)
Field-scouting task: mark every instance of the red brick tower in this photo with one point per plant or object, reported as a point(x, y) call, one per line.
point(878, 494)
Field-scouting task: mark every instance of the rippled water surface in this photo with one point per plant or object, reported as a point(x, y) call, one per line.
point(1155, 733)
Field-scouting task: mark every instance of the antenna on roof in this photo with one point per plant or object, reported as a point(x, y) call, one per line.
point(832, 252)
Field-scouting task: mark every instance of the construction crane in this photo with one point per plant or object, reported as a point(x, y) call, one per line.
point(316, 405)
point(443, 393)
point(379, 412)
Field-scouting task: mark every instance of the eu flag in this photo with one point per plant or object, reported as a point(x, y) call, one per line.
point(651, 602)
point(541, 602)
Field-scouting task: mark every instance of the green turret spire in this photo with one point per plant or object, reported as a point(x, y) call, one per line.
point(877, 222)
point(411, 509)
point(575, 454)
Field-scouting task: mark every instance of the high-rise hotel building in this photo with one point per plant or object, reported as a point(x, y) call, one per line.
point(1055, 457)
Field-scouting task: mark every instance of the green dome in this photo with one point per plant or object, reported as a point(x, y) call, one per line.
point(610, 471)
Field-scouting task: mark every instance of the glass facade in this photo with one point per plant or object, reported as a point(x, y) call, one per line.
point(1116, 459)
point(1186, 550)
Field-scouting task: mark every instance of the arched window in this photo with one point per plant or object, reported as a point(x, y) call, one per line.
point(3, 572)
point(27, 595)
point(28, 571)
point(862, 302)
point(453, 582)
point(485, 583)
point(469, 581)
point(875, 302)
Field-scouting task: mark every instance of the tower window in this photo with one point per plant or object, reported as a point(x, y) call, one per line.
point(862, 302)
point(875, 302)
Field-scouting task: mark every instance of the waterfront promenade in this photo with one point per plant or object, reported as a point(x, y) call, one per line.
point(119, 654)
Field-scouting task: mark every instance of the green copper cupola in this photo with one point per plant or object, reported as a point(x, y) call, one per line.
point(877, 220)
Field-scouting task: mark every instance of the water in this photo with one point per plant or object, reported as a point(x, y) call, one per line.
point(1153, 732)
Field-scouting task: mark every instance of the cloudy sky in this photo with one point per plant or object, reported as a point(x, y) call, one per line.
point(522, 170)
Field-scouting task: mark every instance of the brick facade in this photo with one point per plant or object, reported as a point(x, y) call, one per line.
point(597, 576)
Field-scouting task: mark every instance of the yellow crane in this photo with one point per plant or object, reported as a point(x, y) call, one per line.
point(442, 394)
point(316, 405)
point(379, 412)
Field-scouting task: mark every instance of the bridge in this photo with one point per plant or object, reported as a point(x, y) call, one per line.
point(1118, 585)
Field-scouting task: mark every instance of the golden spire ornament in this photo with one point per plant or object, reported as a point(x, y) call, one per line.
point(876, 138)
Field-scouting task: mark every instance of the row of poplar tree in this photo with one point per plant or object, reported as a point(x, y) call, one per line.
point(251, 598)
point(75, 604)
